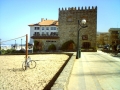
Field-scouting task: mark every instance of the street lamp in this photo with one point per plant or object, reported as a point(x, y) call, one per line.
point(15, 44)
point(21, 44)
point(81, 25)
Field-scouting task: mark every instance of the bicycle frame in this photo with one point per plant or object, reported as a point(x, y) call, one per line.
point(27, 62)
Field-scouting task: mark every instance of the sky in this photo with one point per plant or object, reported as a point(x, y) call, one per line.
point(16, 15)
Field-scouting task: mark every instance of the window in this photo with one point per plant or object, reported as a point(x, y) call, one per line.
point(51, 33)
point(84, 37)
point(51, 28)
point(42, 28)
point(69, 18)
point(54, 28)
point(86, 45)
point(47, 28)
point(36, 28)
point(54, 34)
point(42, 33)
point(36, 34)
point(51, 41)
point(47, 33)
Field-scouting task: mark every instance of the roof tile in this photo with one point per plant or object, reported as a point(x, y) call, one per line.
point(46, 23)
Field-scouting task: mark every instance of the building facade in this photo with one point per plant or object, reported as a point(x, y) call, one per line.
point(102, 39)
point(114, 34)
point(48, 32)
point(45, 33)
point(68, 26)
point(110, 37)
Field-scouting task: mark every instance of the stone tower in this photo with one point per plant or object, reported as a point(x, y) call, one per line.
point(68, 26)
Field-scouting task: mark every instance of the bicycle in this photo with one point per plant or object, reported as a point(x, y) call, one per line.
point(28, 63)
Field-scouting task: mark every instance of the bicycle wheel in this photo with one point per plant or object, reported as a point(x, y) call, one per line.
point(32, 64)
point(24, 66)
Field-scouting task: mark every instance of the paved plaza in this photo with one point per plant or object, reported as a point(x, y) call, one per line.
point(95, 71)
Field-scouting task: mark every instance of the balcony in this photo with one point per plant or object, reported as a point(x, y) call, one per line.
point(45, 36)
point(114, 32)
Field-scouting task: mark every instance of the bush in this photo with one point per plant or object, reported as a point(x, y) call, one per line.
point(35, 49)
point(52, 47)
point(3, 51)
point(11, 51)
point(66, 45)
point(8, 51)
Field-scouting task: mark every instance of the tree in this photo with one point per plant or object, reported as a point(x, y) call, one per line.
point(52, 47)
point(37, 46)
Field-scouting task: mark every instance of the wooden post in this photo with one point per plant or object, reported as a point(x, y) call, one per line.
point(26, 56)
point(26, 46)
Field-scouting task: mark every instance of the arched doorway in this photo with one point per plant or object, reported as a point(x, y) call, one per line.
point(68, 45)
point(71, 46)
point(38, 45)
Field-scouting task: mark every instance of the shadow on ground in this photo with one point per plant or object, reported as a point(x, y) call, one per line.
point(16, 70)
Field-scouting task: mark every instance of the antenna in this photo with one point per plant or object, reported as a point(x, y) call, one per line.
point(117, 24)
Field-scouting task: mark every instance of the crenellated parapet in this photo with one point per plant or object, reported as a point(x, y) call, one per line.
point(79, 8)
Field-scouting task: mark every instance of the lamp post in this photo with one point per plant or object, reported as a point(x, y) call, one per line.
point(15, 44)
point(21, 44)
point(81, 25)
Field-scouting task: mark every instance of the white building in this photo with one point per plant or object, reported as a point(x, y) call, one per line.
point(44, 32)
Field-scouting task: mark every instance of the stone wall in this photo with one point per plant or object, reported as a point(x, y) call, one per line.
point(68, 24)
point(45, 43)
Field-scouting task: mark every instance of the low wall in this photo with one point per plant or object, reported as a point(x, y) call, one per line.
point(63, 79)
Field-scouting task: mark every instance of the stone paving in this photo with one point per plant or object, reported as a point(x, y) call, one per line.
point(12, 77)
point(95, 71)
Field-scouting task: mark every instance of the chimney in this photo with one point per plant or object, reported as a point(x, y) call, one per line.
point(42, 19)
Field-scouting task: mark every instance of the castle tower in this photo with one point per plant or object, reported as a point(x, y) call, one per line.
point(68, 26)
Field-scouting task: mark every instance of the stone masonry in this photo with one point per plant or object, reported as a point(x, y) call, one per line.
point(68, 25)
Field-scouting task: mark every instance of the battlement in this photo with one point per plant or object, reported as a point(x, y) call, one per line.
point(74, 8)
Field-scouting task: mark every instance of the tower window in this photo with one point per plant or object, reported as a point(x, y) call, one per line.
point(69, 18)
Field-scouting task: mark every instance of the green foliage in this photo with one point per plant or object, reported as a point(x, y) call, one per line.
point(3, 51)
point(66, 44)
point(11, 51)
point(35, 49)
point(52, 47)
point(35, 43)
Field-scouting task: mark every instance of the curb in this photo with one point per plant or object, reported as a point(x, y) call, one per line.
point(63, 79)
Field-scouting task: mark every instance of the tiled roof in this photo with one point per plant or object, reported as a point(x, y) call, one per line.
point(45, 23)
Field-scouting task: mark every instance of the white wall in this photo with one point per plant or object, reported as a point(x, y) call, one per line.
point(32, 31)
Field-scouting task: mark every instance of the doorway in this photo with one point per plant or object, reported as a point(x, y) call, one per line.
point(86, 45)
